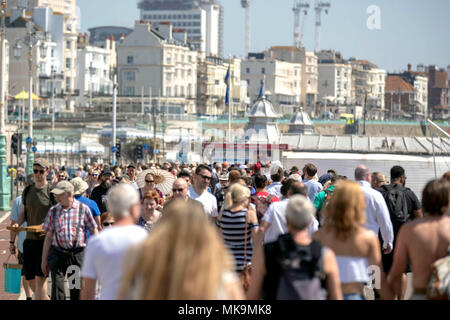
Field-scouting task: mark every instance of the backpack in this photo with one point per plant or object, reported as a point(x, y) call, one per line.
point(439, 285)
point(302, 277)
point(262, 204)
point(396, 202)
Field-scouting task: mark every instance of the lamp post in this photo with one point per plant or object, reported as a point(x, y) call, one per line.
point(5, 192)
point(31, 40)
point(91, 73)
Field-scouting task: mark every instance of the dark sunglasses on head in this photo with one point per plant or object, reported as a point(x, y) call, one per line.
point(149, 181)
point(177, 190)
point(205, 177)
point(38, 171)
point(108, 224)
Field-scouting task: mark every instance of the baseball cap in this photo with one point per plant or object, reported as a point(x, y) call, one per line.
point(325, 178)
point(79, 186)
point(296, 177)
point(63, 186)
point(131, 165)
point(223, 177)
point(106, 171)
point(41, 162)
point(258, 166)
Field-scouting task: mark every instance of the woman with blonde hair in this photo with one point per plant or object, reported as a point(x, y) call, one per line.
point(356, 247)
point(183, 258)
point(238, 224)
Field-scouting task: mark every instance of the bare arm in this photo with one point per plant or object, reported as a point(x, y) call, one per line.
point(93, 232)
point(418, 214)
point(331, 269)
point(99, 223)
point(400, 262)
point(258, 267)
point(87, 289)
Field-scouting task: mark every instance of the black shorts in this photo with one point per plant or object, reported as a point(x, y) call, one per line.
point(20, 258)
point(32, 254)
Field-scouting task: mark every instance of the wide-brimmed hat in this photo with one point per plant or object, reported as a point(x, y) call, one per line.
point(79, 186)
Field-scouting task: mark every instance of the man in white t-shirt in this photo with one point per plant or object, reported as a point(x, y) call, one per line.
point(199, 190)
point(106, 251)
point(273, 222)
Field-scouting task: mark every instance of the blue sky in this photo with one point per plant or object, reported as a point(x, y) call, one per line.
point(412, 31)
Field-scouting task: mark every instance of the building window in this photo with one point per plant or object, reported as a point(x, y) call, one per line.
point(67, 84)
point(168, 92)
point(189, 91)
point(169, 60)
point(105, 74)
point(189, 72)
point(68, 46)
point(168, 77)
point(52, 53)
point(129, 76)
point(130, 60)
point(263, 70)
point(68, 63)
point(128, 91)
point(338, 73)
point(247, 70)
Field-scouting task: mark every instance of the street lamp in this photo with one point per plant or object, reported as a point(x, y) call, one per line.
point(5, 191)
point(91, 73)
point(31, 40)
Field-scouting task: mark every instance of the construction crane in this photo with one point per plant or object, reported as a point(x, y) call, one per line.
point(319, 6)
point(246, 5)
point(298, 32)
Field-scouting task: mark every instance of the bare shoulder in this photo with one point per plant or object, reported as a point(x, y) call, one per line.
point(319, 235)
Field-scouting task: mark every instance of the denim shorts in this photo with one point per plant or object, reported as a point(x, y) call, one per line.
point(354, 296)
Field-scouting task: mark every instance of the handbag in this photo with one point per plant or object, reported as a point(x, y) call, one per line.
point(439, 284)
point(246, 272)
point(13, 276)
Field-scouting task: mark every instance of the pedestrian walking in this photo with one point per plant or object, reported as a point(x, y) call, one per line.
point(199, 190)
point(65, 240)
point(99, 193)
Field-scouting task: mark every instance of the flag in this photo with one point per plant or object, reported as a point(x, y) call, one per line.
point(227, 82)
point(261, 90)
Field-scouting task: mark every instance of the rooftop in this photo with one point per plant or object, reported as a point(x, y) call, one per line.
point(396, 83)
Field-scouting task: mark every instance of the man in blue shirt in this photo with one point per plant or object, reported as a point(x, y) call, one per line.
point(80, 186)
point(314, 187)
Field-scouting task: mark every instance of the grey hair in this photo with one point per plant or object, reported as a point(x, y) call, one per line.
point(361, 172)
point(299, 212)
point(120, 199)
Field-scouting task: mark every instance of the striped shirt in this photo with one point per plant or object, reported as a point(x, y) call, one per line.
point(232, 225)
point(69, 226)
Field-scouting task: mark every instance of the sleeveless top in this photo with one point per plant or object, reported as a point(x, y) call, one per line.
point(232, 226)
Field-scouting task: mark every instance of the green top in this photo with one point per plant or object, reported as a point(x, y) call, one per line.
point(37, 204)
point(319, 200)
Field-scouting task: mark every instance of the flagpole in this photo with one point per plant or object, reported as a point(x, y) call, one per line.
point(230, 103)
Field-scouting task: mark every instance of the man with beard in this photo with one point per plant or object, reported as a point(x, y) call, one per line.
point(99, 192)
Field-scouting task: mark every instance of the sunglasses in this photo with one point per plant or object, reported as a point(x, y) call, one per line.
point(38, 171)
point(150, 181)
point(177, 190)
point(62, 176)
point(94, 175)
point(108, 224)
point(205, 177)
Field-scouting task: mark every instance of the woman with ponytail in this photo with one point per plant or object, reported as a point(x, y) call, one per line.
point(238, 223)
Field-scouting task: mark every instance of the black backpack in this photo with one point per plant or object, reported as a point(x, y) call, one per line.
point(395, 198)
point(302, 276)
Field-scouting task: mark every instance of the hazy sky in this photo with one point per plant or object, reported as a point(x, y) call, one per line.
point(415, 31)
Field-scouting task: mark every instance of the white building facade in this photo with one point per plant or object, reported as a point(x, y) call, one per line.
point(94, 76)
point(150, 60)
point(282, 82)
point(335, 82)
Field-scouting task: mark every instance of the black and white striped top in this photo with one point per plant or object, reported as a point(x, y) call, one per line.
point(232, 225)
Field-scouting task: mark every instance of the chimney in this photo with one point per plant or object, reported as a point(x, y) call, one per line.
point(409, 67)
point(107, 43)
point(165, 29)
point(122, 37)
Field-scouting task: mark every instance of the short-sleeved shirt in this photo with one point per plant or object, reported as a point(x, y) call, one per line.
point(104, 257)
point(68, 225)
point(37, 203)
point(208, 201)
point(95, 211)
point(313, 189)
point(15, 213)
point(413, 203)
point(275, 189)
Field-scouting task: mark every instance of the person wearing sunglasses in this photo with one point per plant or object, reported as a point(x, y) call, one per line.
point(93, 181)
point(150, 185)
point(199, 190)
point(107, 219)
point(37, 200)
point(180, 192)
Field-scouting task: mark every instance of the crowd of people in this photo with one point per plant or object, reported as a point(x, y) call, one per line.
point(227, 232)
